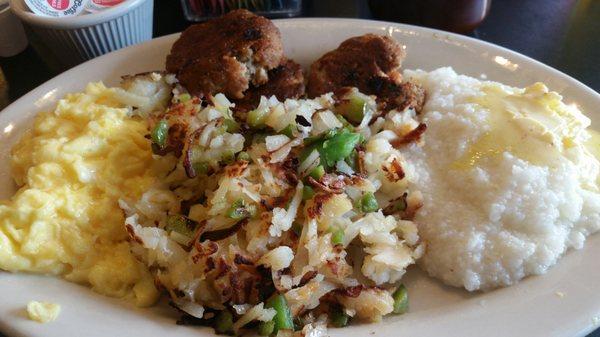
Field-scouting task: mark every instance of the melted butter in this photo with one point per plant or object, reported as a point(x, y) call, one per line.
point(532, 124)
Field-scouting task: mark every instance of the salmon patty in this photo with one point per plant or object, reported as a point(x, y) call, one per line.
point(226, 54)
point(285, 81)
point(370, 63)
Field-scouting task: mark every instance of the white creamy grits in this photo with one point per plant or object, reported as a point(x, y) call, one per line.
point(508, 183)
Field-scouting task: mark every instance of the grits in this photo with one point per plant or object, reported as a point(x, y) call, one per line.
point(507, 181)
point(72, 168)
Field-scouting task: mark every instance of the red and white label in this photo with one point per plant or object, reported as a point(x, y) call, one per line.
point(57, 8)
point(62, 8)
point(59, 4)
point(98, 5)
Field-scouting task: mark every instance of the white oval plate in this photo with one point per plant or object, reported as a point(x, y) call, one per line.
point(564, 302)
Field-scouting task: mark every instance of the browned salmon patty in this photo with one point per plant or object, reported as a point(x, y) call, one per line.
point(226, 54)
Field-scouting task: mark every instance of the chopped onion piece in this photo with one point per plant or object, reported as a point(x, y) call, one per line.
point(282, 218)
point(377, 125)
point(241, 309)
point(275, 142)
point(206, 133)
point(221, 102)
point(323, 121)
point(366, 119)
point(191, 308)
point(344, 168)
point(213, 114)
point(282, 153)
point(252, 195)
point(309, 163)
point(256, 313)
point(278, 258)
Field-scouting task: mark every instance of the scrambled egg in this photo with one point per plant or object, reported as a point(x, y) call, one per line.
point(42, 312)
point(72, 168)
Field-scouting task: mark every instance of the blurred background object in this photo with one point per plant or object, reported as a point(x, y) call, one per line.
point(199, 10)
point(459, 16)
point(12, 35)
point(3, 91)
point(64, 42)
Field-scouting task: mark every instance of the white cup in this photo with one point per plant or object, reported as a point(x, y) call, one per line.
point(67, 41)
point(12, 35)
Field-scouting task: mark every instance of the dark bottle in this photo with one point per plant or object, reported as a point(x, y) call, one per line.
point(460, 16)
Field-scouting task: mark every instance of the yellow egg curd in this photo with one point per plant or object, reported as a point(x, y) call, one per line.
point(42, 312)
point(72, 167)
